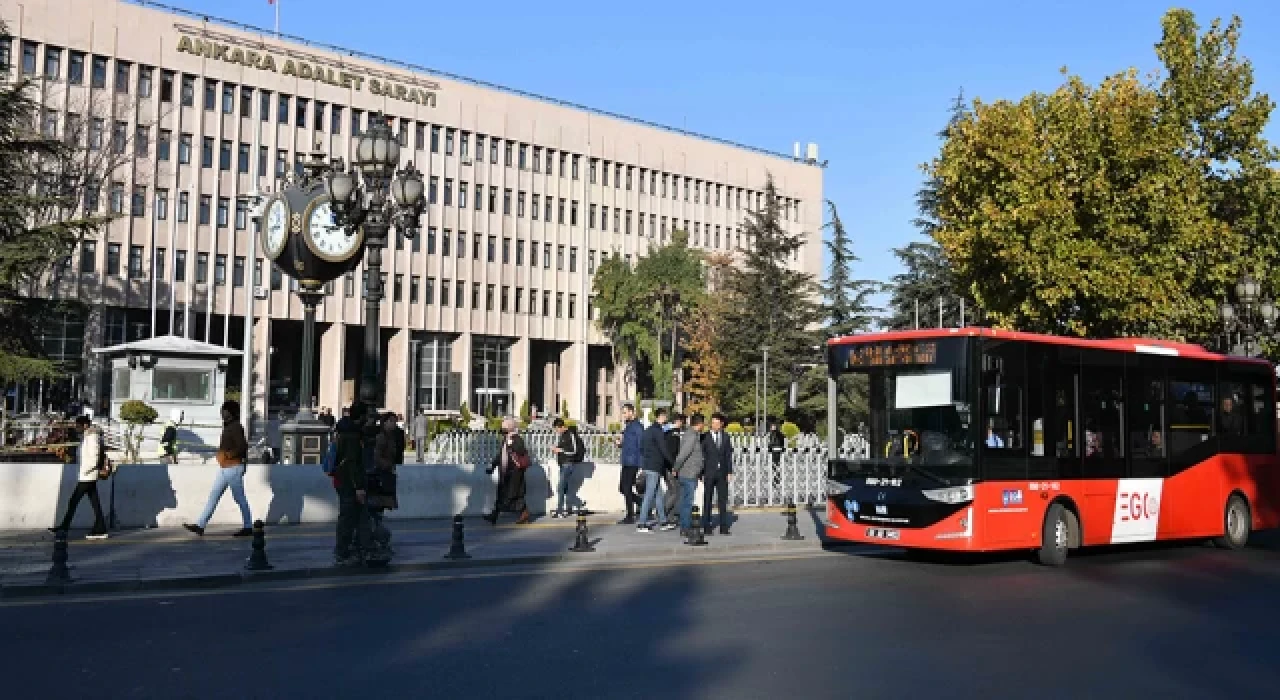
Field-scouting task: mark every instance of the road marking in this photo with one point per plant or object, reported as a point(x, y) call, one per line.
point(350, 580)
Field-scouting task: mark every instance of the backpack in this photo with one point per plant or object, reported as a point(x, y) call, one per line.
point(329, 462)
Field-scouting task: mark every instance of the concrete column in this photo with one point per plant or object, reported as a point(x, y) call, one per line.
point(519, 375)
point(94, 363)
point(573, 379)
point(261, 377)
point(460, 358)
point(333, 349)
point(398, 372)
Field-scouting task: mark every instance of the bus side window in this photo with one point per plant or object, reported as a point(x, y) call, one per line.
point(1102, 414)
point(1191, 403)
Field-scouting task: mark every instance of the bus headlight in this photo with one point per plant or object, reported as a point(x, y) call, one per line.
point(953, 494)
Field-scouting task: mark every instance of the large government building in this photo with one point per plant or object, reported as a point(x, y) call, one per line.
point(491, 305)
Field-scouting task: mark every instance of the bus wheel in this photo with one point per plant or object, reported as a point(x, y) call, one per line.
point(1055, 537)
point(1235, 525)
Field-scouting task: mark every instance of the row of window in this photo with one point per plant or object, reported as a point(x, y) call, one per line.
point(230, 98)
point(138, 205)
point(89, 264)
point(495, 298)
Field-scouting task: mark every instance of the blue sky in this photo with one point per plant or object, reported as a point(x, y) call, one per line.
point(869, 82)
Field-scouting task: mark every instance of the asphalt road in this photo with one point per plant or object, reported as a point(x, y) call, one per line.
point(1187, 622)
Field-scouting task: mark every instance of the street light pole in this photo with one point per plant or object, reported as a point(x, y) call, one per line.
point(1253, 316)
point(755, 397)
point(764, 390)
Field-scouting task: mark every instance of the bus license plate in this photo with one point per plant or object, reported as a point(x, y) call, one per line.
point(882, 533)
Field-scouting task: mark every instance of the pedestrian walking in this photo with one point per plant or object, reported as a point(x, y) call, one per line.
point(350, 481)
point(656, 456)
point(421, 432)
point(511, 462)
point(689, 466)
point(671, 498)
point(233, 449)
point(380, 484)
point(169, 438)
point(93, 467)
point(631, 457)
point(777, 443)
point(569, 452)
point(717, 471)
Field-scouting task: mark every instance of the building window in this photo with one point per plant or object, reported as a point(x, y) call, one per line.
point(434, 369)
point(546, 303)
point(462, 245)
point(117, 198)
point(435, 139)
point(145, 76)
point(335, 119)
point(242, 158)
point(135, 262)
point(573, 213)
point(277, 279)
point(184, 149)
point(433, 189)
point(318, 117)
point(491, 375)
point(591, 262)
point(488, 298)
point(162, 204)
point(575, 167)
point(282, 109)
point(515, 308)
point(573, 305)
point(506, 154)
point(446, 242)
point(220, 270)
point(448, 191)
point(493, 245)
point(506, 202)
point(546, 256)
point(414, 283)
point(224, 155)
point(205, 202)
point(237, 272)
point(206, 152)
point(560, 212)
point(123, 70)
point(188, 90)
point(113, 259)
point(560, 257)
point(157, 264)
point(537, 157)
point(493, 151)
point(397, 288)
point(462, 145)
point(183, 202)
point(138, 202)
point(242, 214)
point(506, 250)
point(520, 204)
point(52, 62)
point(429, 294)
point(431, 240)
point(506, 294)
point(98, 74)
point(301, 105)
point(202, 268)
point(119, 137)
point(180, 266)
point(475, 247)
point(349, 285)
point(462, 195)
point(88, 257)
point(591, 216)
point(573, 258)
point(459, 292)
point(519, 252)
point(448, 142)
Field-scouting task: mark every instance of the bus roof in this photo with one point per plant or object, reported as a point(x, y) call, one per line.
point(1147, 346)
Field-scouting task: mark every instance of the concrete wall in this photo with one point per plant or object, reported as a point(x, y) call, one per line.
point(33, 496)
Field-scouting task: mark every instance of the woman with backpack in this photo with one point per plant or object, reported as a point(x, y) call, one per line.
point(569, 452)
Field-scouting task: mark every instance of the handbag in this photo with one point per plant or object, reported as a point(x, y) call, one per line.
point(521, 461)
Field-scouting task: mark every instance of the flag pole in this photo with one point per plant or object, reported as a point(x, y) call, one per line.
point(277, 6)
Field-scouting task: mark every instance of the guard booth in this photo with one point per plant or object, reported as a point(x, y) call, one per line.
point(169, 372)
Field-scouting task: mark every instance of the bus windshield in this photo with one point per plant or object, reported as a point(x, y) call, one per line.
point(920, 417)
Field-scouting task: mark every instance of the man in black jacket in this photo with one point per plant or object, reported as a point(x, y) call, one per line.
point(569, 452)
point(671, 499)
point(350, 481)
point(717, 458)
point(656, 456)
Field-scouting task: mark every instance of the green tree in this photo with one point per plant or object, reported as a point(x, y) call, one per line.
point(1118, 209)
point(773, 305)
point(846, 303)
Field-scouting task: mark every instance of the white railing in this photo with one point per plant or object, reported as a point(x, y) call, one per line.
point(798, 474)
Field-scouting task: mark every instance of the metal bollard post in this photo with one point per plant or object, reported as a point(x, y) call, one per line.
point(697, 538)
point(457, 547)
point(258, 556)
point(793, 532)
point(583, 541)
point(59, 572)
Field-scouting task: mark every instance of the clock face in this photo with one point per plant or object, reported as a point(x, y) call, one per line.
point(276, 231)
point(326, 238)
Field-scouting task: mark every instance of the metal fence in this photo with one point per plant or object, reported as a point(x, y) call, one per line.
point(761, 479)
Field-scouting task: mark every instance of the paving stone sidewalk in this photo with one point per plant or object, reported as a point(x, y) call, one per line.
point(170, 558)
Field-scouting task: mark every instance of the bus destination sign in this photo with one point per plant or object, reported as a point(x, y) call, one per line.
point(893, 354)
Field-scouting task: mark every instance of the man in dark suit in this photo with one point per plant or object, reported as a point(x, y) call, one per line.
point(656, 456)
point(717, 470)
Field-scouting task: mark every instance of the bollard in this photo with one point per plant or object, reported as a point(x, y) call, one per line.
point(59, 573)
point(258, 556)
point(793, 532)
point(457, 547)
point(697, 537)
point(583, 542)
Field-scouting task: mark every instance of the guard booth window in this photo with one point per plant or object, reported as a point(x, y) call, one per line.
point(1003, 430)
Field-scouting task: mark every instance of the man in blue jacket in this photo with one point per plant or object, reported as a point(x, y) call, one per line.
point(630, 459)
point(656, 456)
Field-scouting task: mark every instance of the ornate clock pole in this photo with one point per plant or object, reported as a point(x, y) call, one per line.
point(373, 212)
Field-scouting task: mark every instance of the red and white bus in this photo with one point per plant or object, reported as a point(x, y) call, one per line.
point(982, 440)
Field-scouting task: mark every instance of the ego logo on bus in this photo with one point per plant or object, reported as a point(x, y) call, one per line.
point(1138, 505)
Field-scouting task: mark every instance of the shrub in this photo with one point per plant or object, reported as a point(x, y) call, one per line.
point(525, 415)
point(137, 412)
point(464, 414)
point(615, 427)
point(570, 423)
point(734, 428)
point(790, 431)
point(493, 424)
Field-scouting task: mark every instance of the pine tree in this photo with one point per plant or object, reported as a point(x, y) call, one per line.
point(927, 282)
point(773, 305)
point(846, 300)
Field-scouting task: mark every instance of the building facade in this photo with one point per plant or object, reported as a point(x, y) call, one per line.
point(489, 305)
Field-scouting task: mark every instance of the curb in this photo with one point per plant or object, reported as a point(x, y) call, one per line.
point(229, 580)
